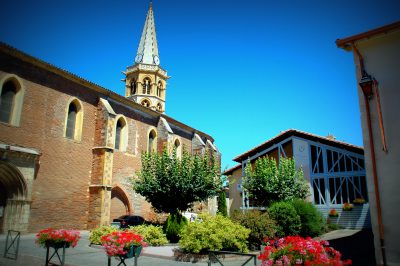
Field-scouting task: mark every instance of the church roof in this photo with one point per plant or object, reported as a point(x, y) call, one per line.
point(103, 92)
point(147, 52)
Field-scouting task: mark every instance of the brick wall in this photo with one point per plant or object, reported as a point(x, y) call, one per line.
point(65, 191)
point(60, 190)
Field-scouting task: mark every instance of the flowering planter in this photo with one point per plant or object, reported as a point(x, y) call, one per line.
point(296, 250)
point(123, 245)
point(359, 201)
point(57, 239)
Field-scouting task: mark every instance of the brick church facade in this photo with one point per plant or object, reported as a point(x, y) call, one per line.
point(69, 148)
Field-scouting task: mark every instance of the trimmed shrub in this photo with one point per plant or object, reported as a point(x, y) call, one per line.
point(287, 220)
point(215, 233)
point(222, 209)
point(312, 221)
point(153, 235)
point(260, 224)
point(96, 234)
point(173, 227)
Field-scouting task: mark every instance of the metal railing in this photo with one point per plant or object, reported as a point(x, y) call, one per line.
point(12, 244)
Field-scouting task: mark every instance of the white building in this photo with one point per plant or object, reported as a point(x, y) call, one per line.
point(377, 61)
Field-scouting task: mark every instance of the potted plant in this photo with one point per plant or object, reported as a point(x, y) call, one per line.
point(347, 206)
point(333, 213)
point(295, 250)
point(123, 244)
point(359, 201)
point(57, 238)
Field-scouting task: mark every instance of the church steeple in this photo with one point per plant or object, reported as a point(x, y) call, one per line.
point(145, 81)
point(147, 52)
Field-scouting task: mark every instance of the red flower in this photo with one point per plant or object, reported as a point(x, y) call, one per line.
point(119, 242)
point(295, 250)
point(71, 237)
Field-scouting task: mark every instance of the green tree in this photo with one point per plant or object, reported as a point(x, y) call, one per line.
point(222, 209)
point(173, 184)
point(268, 182)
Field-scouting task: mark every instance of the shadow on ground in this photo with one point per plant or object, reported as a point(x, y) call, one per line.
point(358, 247)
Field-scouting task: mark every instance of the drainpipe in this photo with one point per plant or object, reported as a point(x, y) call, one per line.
point(366, 84)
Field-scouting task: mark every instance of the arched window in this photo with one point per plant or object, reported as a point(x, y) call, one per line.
point(11, 99)
point(178, 148)
point(159, 107)
point(7, 99)
point(133, 87)
point(146, 86)
point(71, 121)
point(152, 145)
point(146, 103)
point(159, 88)
point(120, 135)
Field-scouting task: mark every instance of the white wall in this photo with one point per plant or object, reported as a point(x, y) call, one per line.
point(382, 61)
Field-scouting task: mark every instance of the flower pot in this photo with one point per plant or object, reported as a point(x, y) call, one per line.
point(57, 245)
point(134, 251)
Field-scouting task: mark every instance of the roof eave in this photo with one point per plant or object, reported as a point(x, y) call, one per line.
point(232, 169)
point(346, 43)
point(295, 132)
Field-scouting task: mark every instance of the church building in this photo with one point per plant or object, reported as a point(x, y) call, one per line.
point(69, 147)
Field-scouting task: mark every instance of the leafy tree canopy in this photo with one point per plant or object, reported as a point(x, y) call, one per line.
point(268, 182)
point(173, 184)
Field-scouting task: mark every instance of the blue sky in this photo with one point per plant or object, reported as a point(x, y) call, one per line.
point(242, 71)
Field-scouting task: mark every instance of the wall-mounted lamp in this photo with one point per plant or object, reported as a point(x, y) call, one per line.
point(366, 83)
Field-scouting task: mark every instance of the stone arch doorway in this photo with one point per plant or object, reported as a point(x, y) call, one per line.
point(120, 203)
point(14, 206)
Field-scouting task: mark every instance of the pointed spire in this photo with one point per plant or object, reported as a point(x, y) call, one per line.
point(147, 52)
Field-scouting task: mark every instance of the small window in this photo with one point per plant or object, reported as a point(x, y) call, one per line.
point(121, 135)
point(71, 121)
point(152, 144)
point(159, 88)
point(74, 119)
point(118, 135)
point(133, 87)
point(159, 107)
point(7, 101)
point(178, 148)
point(146, 86)
point(146, 103)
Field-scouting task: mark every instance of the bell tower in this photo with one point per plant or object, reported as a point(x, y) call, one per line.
point(146, 81)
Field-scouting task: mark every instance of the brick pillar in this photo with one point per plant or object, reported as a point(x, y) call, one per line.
point(102, 168)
